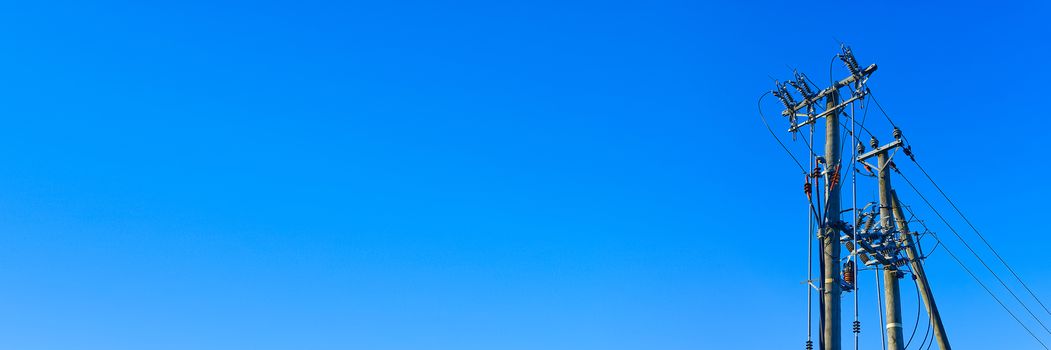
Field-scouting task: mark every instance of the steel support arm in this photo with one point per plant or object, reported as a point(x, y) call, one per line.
point(835, 87)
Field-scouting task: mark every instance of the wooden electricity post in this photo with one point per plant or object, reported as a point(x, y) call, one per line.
point(891, 292)
point(916, 263)
point(882, 247)
point(831, 289)
point(831, 225)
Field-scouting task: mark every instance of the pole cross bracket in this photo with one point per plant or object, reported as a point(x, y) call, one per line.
point(880, 149)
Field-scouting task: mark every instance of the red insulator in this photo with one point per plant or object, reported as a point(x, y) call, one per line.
point(834, 179)
point(849, 272)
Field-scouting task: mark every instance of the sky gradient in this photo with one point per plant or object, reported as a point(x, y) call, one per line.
point(464, 175)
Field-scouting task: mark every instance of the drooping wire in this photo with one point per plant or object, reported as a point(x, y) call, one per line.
point(975, 277)
point(936, 245)
point(768, 128)
point(831, 79)
point(879, 307)
point(916, 327)
point(927, 333)
point(812, 210)
point(926, 231)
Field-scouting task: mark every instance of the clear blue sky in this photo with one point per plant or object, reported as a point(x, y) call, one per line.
point(475, 175)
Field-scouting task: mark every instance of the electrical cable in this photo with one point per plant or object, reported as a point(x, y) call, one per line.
point(982, 237)
point(926, 230)
point(783, 146)
point(882, 110)
point(810, 259)
point(832, 81)
point(879, 306)
point(915, 327)
point(854, 235)
point(966, 220)
point(926, 333)
point(761, 116)
point(821, 297)
point(936, 245)
point(975, 277)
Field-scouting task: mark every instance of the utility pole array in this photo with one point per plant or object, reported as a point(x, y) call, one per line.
point(876, 238)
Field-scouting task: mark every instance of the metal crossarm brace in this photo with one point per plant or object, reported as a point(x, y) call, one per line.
point(812, 119)
point(835, 87)
point(879, 150)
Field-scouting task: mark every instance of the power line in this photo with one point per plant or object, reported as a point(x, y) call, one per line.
point(926, 230)
point(879, 304)
point(916, 327)
point(761, 116)
point(882, 110)
point(975, 277)
point(973, 228)
point(982, 237)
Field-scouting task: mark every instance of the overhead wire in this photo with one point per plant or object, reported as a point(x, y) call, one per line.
point(812, 211)
point(805, 172)
point(810, 254)
point(882, 110)
point(768, 128)
point(973, 228)
point(927, 332)
point(916, 327)
point(937, 244)
point(879, 306)
point(819, 215)
point(853, 183)
point(854, 236)
point(982, 237)
point(927, 231)
point(975, 277)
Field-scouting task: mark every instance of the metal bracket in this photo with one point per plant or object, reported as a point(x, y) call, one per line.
point(835, 87)
point(879, 150)
point(812, 119)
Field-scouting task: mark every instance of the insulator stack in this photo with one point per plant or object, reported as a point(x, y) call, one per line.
point(877, 235)
point(908, 152)
point(801, 85)
point(849, 272)
point(786, 98)
point(848, 59)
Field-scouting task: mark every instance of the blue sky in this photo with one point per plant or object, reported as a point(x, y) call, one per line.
point(476, 175)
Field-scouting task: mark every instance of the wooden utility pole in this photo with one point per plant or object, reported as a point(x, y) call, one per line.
point(831, 289)
point(874, 246)
point(890, 273)
point(916, 263)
